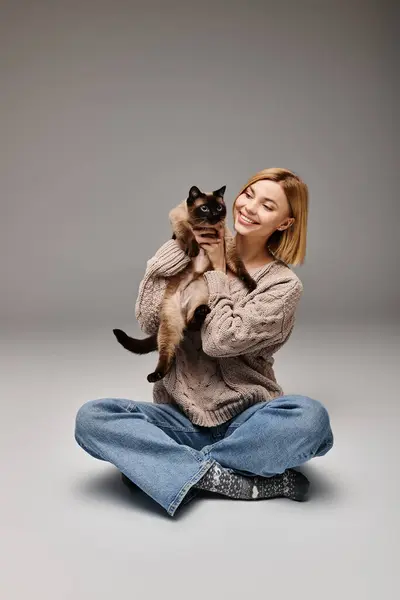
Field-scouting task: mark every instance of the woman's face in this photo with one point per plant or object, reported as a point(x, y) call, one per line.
point(265, 203)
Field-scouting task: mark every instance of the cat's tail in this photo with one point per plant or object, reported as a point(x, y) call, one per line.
point(136, 346)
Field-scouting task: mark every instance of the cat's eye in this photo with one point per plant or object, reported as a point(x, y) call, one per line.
point(219, 208)
point(204, 208)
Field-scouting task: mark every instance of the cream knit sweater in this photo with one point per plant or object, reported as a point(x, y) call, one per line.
point(228, 365)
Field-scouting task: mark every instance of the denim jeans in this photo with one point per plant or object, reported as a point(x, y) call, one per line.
point(165, 454)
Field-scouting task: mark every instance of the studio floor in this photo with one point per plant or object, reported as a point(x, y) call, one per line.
point(71, 530)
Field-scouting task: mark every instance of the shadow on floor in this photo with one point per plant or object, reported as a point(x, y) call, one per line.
point(109, 486)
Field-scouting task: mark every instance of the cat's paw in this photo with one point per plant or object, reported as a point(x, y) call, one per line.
point(201, 311)
point(194, 325)
point(198, 317)
point(155, 376)
point(249, 282)
point(193, 249)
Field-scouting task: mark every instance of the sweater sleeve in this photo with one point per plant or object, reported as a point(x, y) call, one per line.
point(261, 319)
point(167, 261)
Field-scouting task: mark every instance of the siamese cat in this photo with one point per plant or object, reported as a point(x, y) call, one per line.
point(185, 300)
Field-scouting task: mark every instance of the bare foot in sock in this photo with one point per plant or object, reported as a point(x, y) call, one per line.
point(290, 484)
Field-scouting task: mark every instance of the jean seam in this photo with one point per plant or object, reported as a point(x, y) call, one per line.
point(313, 453)
point(133, 409)
point(85, 447)
point(181, 429)
point(186, 487)
point(193, 451)
point(195, 454)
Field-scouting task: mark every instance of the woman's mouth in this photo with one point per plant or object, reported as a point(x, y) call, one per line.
point(244, 220)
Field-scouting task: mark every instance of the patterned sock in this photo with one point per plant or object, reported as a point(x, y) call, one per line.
point(290, 484)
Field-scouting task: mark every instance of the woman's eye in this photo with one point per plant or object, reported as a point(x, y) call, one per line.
point(267, 207)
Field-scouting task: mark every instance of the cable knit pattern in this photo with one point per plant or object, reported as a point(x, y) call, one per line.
point(167, 261)
point(227, 365)
point(251, 324)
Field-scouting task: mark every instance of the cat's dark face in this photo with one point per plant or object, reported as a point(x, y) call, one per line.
point(206, 207)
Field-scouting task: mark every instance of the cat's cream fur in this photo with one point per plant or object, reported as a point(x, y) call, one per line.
point(185, 300)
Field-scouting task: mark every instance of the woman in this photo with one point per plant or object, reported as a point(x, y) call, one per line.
point(219, 420)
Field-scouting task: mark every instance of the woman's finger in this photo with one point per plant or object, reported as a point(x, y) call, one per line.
point(200, 238)
point(206, 227)
point(209, 231)
point(206, 245)
point(207, 241)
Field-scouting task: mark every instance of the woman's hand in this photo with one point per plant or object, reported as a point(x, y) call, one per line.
point(212, 240)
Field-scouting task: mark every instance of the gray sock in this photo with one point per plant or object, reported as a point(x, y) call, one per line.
point(290, 484)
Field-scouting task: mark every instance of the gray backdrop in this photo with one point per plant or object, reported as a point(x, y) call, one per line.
point(110, 111)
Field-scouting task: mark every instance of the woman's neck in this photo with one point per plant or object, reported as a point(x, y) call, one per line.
point(253, 254)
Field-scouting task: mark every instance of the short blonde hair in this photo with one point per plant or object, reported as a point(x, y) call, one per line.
point(288, 245)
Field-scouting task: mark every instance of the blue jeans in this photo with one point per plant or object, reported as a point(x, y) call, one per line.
point(165, 454)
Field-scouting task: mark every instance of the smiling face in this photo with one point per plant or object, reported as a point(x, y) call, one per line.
point(265, 203)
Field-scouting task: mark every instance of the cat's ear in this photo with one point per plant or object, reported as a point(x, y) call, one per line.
point(220, 192)
point(194, 193)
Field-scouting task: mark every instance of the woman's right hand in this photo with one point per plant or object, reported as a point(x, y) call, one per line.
point(207, 234)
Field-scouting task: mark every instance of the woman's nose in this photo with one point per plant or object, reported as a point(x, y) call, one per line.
point(251, 207)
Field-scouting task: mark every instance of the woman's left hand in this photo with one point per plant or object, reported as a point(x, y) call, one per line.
point(214, 247)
